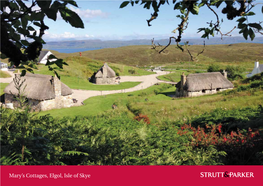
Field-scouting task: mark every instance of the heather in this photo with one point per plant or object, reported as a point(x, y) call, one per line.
point(112, 139)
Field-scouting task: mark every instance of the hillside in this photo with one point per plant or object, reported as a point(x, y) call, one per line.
point(144, 55)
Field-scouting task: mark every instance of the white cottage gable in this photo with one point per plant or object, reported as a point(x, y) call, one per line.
point(44, 56)
point(257, 69)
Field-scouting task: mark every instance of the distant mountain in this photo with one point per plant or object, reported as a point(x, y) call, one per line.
point(119, 43)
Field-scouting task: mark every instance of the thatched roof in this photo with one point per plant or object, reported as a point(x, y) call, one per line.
point(38, 87)
point(205, 81)
point(42, 55)
point(110, 73)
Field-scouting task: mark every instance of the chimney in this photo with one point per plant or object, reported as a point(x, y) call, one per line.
point(225, 74)
point(57, 86)
point(183, 80)
point(256, 64)
point(105, 70)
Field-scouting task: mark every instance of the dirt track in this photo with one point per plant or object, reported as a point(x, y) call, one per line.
point(146, 81)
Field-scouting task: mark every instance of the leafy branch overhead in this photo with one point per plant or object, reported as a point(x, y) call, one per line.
point(23, 26)
point(232, 9)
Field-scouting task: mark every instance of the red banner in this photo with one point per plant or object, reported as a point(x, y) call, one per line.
point(130, 175)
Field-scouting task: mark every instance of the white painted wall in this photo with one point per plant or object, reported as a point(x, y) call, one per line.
point(44, 60)
point(256, 70)
point(4, 67)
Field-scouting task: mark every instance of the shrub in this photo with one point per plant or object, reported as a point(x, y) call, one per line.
point(254, 78)
point(235, 72)
point(213, 68)
point(242, 147)
point(106, 140)
point(132, 71)
point(230, 119)
point(140, 117)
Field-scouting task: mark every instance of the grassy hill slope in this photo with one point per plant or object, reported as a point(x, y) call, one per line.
point(242, 53)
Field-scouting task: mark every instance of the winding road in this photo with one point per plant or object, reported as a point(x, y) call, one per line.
point(81, 95)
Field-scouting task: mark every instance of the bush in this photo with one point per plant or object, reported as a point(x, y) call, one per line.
point(235, 72)
point(144, 118)
point(230, 119)
point(132, 71)
point(254, 78)
point(106, 140)
point(242, 147)
point(213, 68)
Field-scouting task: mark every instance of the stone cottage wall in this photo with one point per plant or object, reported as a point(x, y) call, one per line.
point(36, 105)
point(103, 81)
point(197, 93)
point(58, 102)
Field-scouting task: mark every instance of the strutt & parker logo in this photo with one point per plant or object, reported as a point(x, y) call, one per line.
point(226, 174)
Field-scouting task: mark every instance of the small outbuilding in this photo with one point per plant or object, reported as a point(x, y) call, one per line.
point(258, 68)
point(42, 92)
point(202, 84)
point(3, 66)
point(105, 75)
point(43, 56)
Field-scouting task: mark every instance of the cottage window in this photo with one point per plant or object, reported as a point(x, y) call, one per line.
point(203, 91)
point(218, 89)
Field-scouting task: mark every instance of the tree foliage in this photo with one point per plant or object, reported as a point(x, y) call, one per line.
point(232, 9)
point(23, 26)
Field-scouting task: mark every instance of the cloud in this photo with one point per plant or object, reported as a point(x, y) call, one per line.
point(89, 36)
point(65, 35)
point(89, 13)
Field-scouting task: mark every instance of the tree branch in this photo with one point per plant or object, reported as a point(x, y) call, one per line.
point(154, 15)
point(170, 40)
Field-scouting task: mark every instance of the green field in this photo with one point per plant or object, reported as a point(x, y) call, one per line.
point(4, 74)
point(156, 103)
point(80, 69)
point(100, 104)
point(2, 87)
point(175, 76)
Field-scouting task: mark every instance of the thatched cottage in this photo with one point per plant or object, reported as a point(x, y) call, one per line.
point(202, 84)
point(105, 75)
point(43, 92)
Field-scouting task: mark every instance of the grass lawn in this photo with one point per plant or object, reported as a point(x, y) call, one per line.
point(175, 76)
point(79, 69)
point(4, 74)
point(156, 103)
point(99, 104)
point(124, 70)
point(185, 108)
point(76, 83)
point(2, 87)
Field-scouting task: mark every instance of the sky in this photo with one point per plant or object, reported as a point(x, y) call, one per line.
point(104, 20)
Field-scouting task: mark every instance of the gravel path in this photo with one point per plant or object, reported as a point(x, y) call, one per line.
point(8, 80)
point(81, 95)
point(146, 81)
